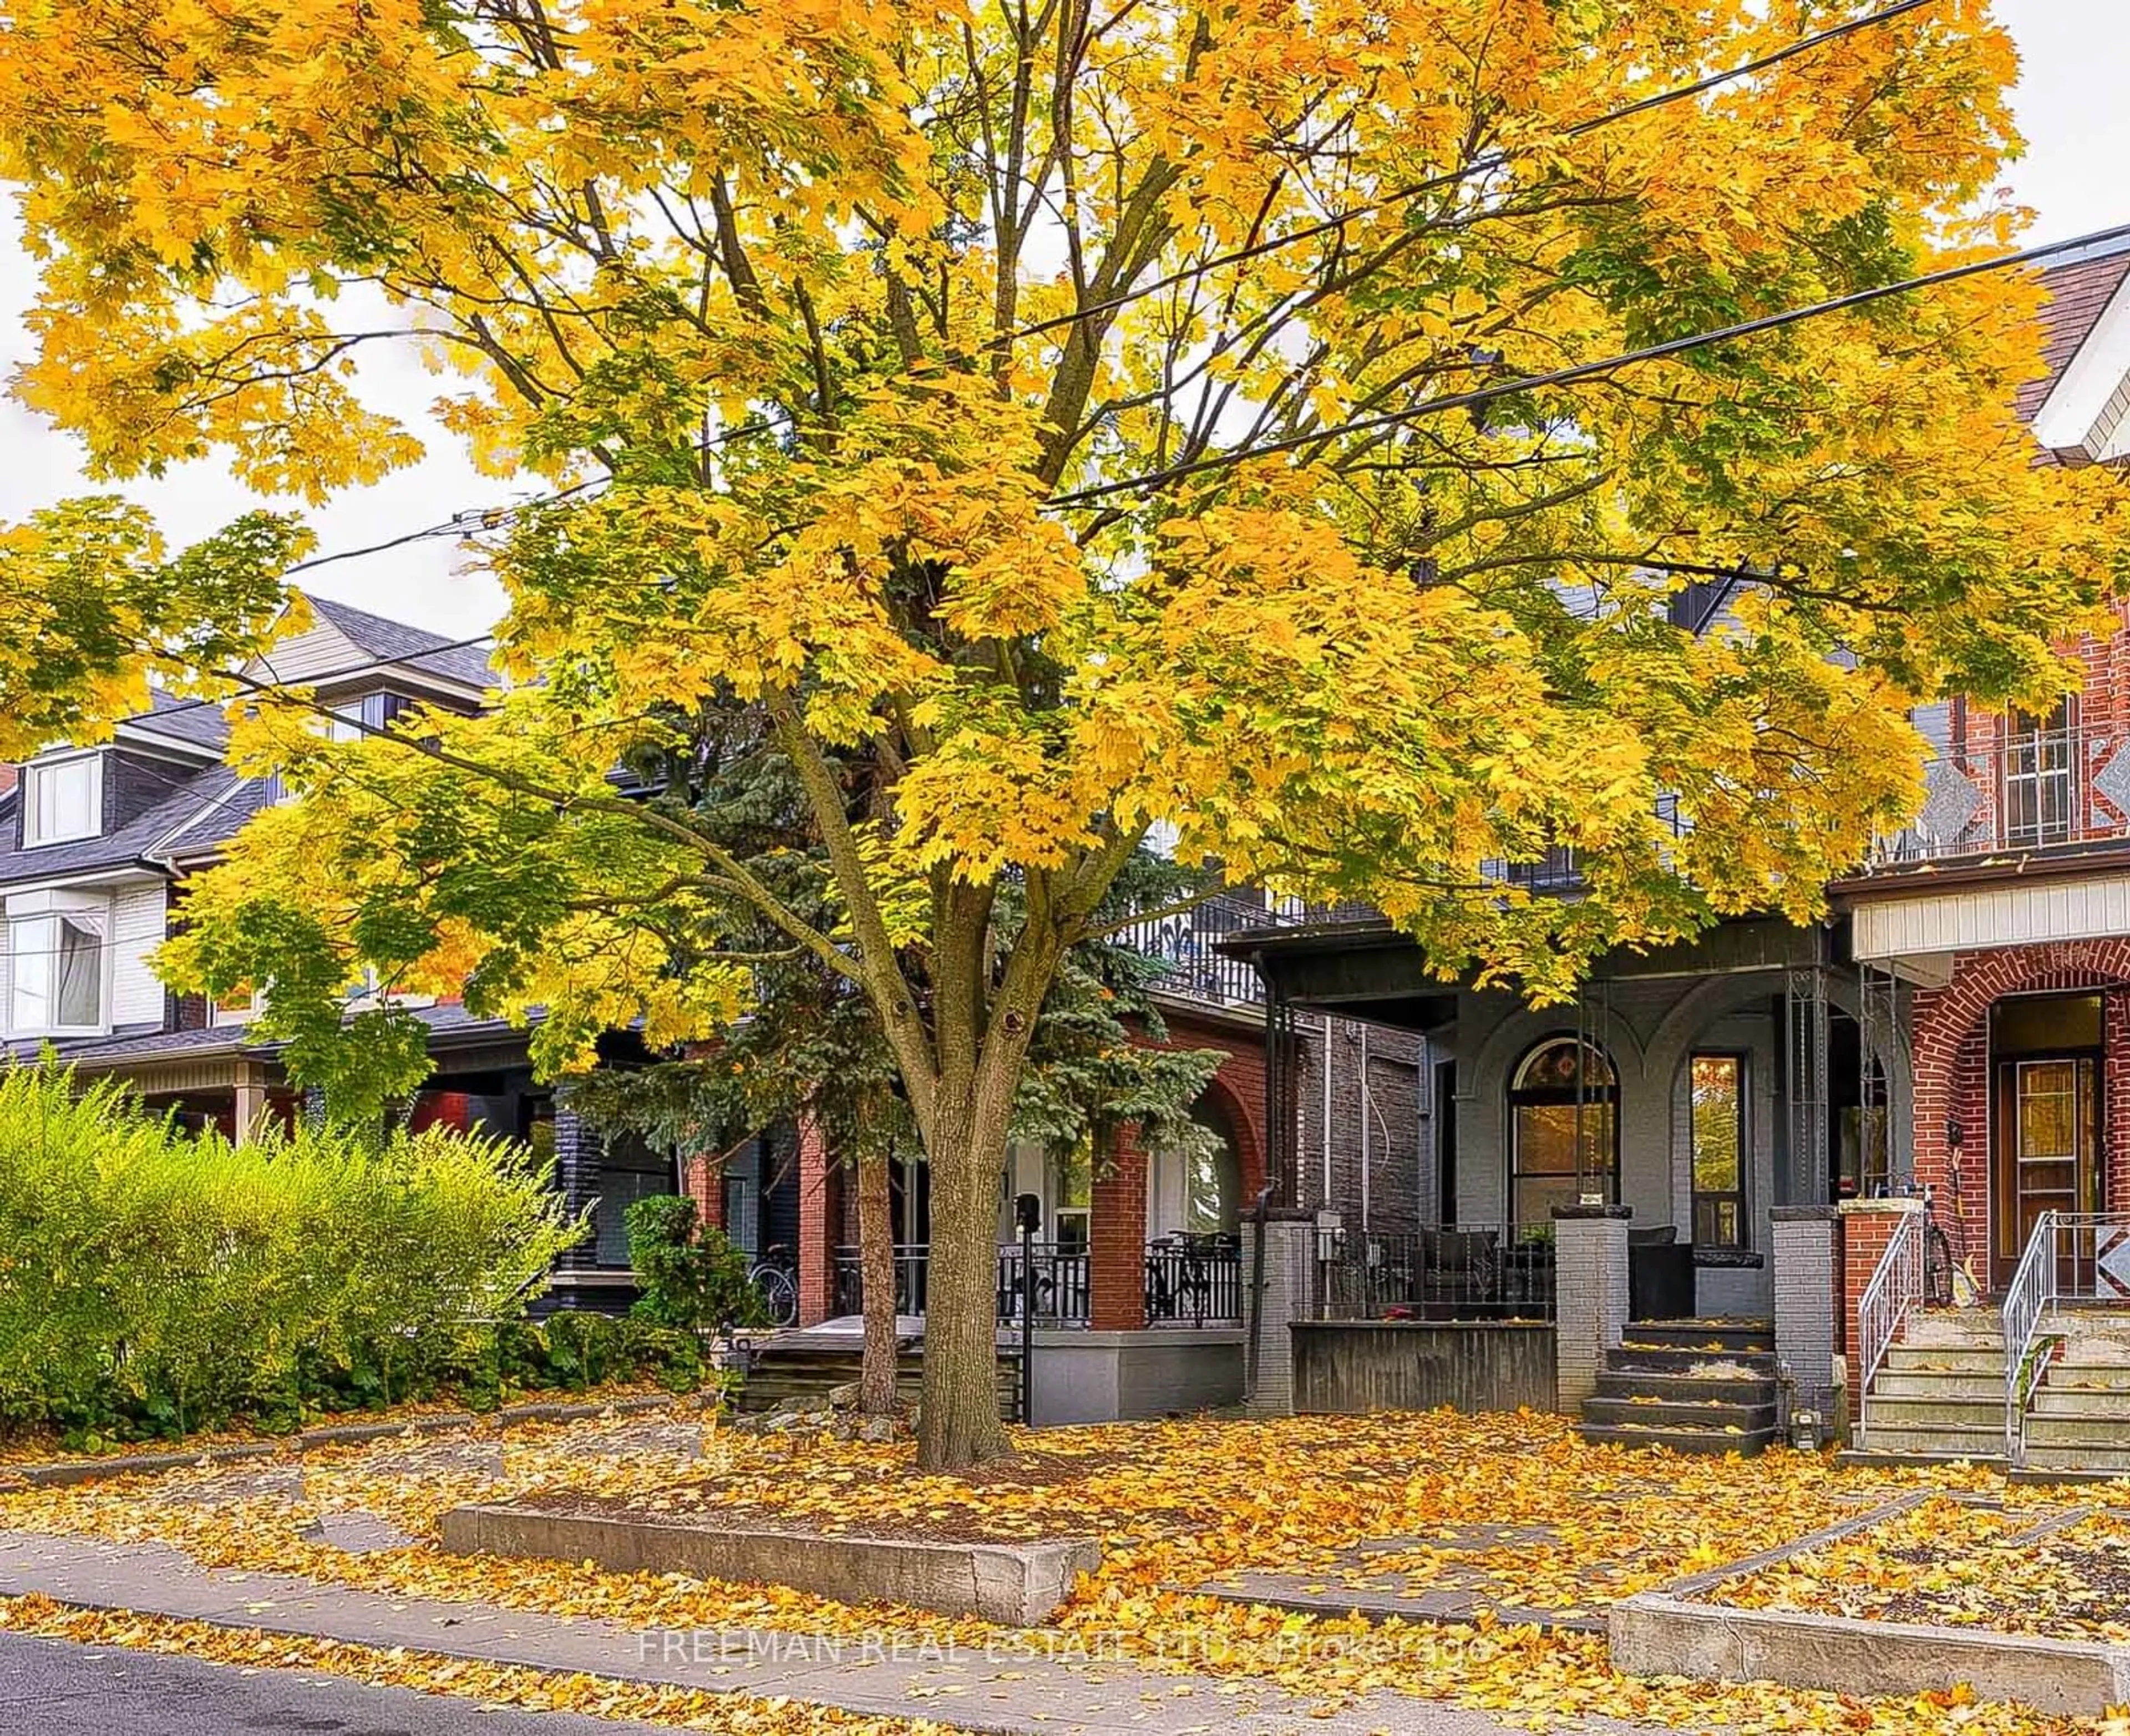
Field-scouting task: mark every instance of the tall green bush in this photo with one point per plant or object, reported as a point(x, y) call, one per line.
point(153, 1280)
point(693, 1277)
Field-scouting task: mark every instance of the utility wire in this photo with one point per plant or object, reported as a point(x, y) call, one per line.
point(1486, 164)
point(1591, 369)
point(489, 518)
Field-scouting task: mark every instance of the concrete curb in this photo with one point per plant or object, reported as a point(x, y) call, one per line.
point(1653, 1635)
point(60, 1473)
point(1020, 1585)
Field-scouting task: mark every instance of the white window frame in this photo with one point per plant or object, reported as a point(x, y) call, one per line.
point(33, 925)
point(36, 772)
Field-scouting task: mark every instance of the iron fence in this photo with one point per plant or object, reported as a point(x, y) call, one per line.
point(1194, 1280)
point(1457, 1272)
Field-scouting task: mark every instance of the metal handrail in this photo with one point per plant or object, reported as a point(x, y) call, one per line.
point(2026, 1302)
point(2062, 1263)
point(1895, 1289)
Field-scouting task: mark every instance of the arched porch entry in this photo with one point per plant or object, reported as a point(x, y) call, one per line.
point(2022, 1093)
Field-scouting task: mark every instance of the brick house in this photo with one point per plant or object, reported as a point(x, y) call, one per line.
point(96, 845)
point(1776, 1117)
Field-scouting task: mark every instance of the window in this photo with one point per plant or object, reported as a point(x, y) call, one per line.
point(1718, 1089)
point(62, 799)
point(58, 973)
point(1564, 1130)
point(1072, 1193)
point(2041, 797)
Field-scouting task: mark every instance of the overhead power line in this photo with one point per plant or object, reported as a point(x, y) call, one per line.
point(1487, 163)
point(1591, 369)
point(462, 523)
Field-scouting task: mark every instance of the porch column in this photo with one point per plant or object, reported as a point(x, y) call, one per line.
point(1590, 1264)
point(819, 1220)
point(250, 1086)
point(1116, 1238)
point(703, 1178)
point(577, 1174)
point(1806, 1252)
point(1275, 1295)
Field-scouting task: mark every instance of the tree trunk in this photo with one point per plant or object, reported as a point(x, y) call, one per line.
point(876, 1262)
point(959, 1425)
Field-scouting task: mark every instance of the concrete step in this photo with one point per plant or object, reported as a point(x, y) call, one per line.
point(1945, 1359)
point(1925, 1461)
point(2103, 1404)
point(1901, 1410)
point(1973, 1329)
point(2109, 1457)
point(1937, 1440)
point(1684, 1389)
point(1643, 1413)
point(1638, 1358)
point(1715, 1337)
point(1709, 1441)
point(2048, 1429)
point(1951, 1383)
point(2089, 1376)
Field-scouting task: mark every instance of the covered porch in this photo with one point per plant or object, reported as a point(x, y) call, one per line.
point(1705, 1088)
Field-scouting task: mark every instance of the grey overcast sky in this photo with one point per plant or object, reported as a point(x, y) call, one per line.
point(2075, 54)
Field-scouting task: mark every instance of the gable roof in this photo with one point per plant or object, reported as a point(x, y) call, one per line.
point(125, 846)
point(197, 723)
point(395, 641)
point(2080, 408)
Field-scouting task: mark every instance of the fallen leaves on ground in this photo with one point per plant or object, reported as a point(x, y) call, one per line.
point(427, 1672)
point(1517, 1509)
point(2036, 1566)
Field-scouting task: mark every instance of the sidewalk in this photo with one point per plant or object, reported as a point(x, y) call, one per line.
point(1013, 1689)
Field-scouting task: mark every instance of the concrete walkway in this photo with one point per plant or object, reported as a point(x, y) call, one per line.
point(1015, 1689)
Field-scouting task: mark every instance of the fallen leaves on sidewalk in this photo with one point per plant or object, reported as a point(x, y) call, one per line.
point(1515, 1509)
point(428, 1672)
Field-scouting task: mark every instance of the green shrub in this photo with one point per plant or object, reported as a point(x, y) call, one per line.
point(152, 1282)
point(693, 1278)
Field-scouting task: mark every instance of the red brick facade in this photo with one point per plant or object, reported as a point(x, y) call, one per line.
point(1116, 1239)
point(1952, 1075)
point(1866, 1228)
point(819, 1212)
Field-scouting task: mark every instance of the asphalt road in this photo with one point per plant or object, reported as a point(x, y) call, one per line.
point(50, 1688)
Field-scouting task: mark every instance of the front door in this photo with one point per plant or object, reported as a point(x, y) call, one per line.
point(2047, 1150)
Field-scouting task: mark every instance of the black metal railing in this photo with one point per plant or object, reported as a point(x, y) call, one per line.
point(1061, 1281)
point(1186, 946)
point(1461, 1272)
point(1194, 1280)
point(1189, 1280)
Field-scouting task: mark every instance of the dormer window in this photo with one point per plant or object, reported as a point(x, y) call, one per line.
point(62, 799)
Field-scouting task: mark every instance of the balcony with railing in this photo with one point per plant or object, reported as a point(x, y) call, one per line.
point(1186, 945)
point(2016, 791)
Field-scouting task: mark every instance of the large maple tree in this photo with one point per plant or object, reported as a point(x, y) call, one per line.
point(1097, 416)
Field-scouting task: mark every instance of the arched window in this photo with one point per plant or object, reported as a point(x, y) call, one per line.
point(1564, 1125)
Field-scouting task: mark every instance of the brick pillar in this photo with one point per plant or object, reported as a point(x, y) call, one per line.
point(1807, 1275)
point(1590, 1255)
point(1867, 1226)
point(704, 1176)
point(1271, 1307)
point(1116, 1239)
point(819, 1217)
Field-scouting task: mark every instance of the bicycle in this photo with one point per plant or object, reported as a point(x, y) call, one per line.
point(777, 1285)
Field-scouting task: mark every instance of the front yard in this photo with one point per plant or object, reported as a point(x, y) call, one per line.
point(1484, 1527)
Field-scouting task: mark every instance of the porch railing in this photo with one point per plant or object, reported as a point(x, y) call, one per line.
point(1896, 1289)
point(1185, 947)
point(1460, 1272)
point(2025, 790)
point(1194, 1280)
point(2070, 1257)
point(1189, 1281)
